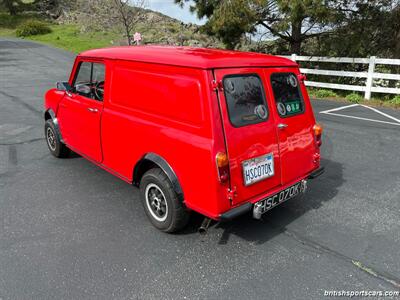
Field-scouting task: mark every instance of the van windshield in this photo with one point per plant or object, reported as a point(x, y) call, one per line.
point(287, 94)
point(245, 99)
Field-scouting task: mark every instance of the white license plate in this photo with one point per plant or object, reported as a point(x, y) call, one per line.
point(265, 205)
point(258, 168)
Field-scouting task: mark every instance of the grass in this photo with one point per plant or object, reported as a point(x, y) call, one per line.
point(354, 97)
point(12, 22)
point(70, 38)
point(386, 101)
point(67, 37)
point(322, 93)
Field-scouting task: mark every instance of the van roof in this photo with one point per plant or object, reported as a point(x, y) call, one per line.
point(203, 58)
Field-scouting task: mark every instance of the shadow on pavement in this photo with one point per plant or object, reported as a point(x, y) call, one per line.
point(321, 190)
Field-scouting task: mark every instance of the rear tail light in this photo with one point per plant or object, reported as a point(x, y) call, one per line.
point(318, 129)
point(222, 166)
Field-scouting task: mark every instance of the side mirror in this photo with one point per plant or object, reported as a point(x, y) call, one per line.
point(64, 86)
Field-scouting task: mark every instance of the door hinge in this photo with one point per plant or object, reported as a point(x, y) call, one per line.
point(216, 85)
point(231, 193)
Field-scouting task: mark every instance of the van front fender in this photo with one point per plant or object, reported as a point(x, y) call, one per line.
point(50, 115)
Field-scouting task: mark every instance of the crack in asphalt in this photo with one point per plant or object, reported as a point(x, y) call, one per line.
point(19, 101)
point(388, 278)
point(23, 142)
point(12, 155)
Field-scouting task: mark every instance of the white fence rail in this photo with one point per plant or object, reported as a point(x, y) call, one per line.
point(369, 75)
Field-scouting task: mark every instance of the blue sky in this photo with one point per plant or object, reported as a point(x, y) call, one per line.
point(169, 8)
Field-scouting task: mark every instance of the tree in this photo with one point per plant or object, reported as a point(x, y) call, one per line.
point(11, 6)
point(100, 14)
point(293, 21)
point(130, 13)
point(371, 28)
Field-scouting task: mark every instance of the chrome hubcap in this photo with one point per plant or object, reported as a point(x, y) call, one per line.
point(51, 139)
point(156, 202)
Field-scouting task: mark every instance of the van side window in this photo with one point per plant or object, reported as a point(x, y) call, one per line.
point(245, 99)
point(288, 99)
point(89, 80)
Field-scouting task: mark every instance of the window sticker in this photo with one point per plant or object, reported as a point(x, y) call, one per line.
point(229, 86)
point(245, 99)
point(287, 94)
point(293, 107)
point(261, 111)
point(281, 108)
point(292, 80)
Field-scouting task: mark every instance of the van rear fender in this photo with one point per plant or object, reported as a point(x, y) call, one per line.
point(151, 160)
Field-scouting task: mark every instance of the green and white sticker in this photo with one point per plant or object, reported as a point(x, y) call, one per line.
point(293, 107)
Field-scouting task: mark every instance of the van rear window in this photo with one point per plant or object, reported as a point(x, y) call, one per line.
point(245, 99)
point(287, 94)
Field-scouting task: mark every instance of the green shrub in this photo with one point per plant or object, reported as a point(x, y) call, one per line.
point(396, 100)
point(11, 22)
point(324, 94)
point(32, 27)
point(354, 97)
point(6, 20)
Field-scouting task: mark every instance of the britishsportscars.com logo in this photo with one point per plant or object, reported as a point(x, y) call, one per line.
point(351, 294)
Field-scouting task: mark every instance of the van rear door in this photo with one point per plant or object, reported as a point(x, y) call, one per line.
point(250, 132)
point(295, 121)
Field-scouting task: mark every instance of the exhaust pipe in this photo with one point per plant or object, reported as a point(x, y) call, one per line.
point(204, 225)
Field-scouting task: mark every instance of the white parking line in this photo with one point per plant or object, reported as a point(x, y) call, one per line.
point(382, 113)
point(366, 119)
point(338, 108)
point(331, 112)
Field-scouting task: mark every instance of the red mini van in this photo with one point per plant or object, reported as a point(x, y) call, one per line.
point(218, 132)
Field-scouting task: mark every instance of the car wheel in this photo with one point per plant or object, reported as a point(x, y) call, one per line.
point(56, 147)
point(161, 204)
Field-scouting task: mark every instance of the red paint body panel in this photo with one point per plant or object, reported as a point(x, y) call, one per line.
point(81, 127)
point(249, 142)
point(296, 142)
point(52, 99)
point(162, 100)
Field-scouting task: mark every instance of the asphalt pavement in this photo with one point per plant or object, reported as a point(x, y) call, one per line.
point(70, 230)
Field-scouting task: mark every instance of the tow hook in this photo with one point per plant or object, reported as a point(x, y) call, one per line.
point(204, 226)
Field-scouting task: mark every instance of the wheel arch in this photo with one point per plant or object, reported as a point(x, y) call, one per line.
point(50, 115)
point(151, 160)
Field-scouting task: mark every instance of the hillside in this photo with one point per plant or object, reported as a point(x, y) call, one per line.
point(75, 29)
point(155, 27)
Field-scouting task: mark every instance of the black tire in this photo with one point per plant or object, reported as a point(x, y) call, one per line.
point(56, 147)
point(155, 186)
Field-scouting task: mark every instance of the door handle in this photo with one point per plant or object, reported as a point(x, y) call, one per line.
point(282, 126)
point(92, 110)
